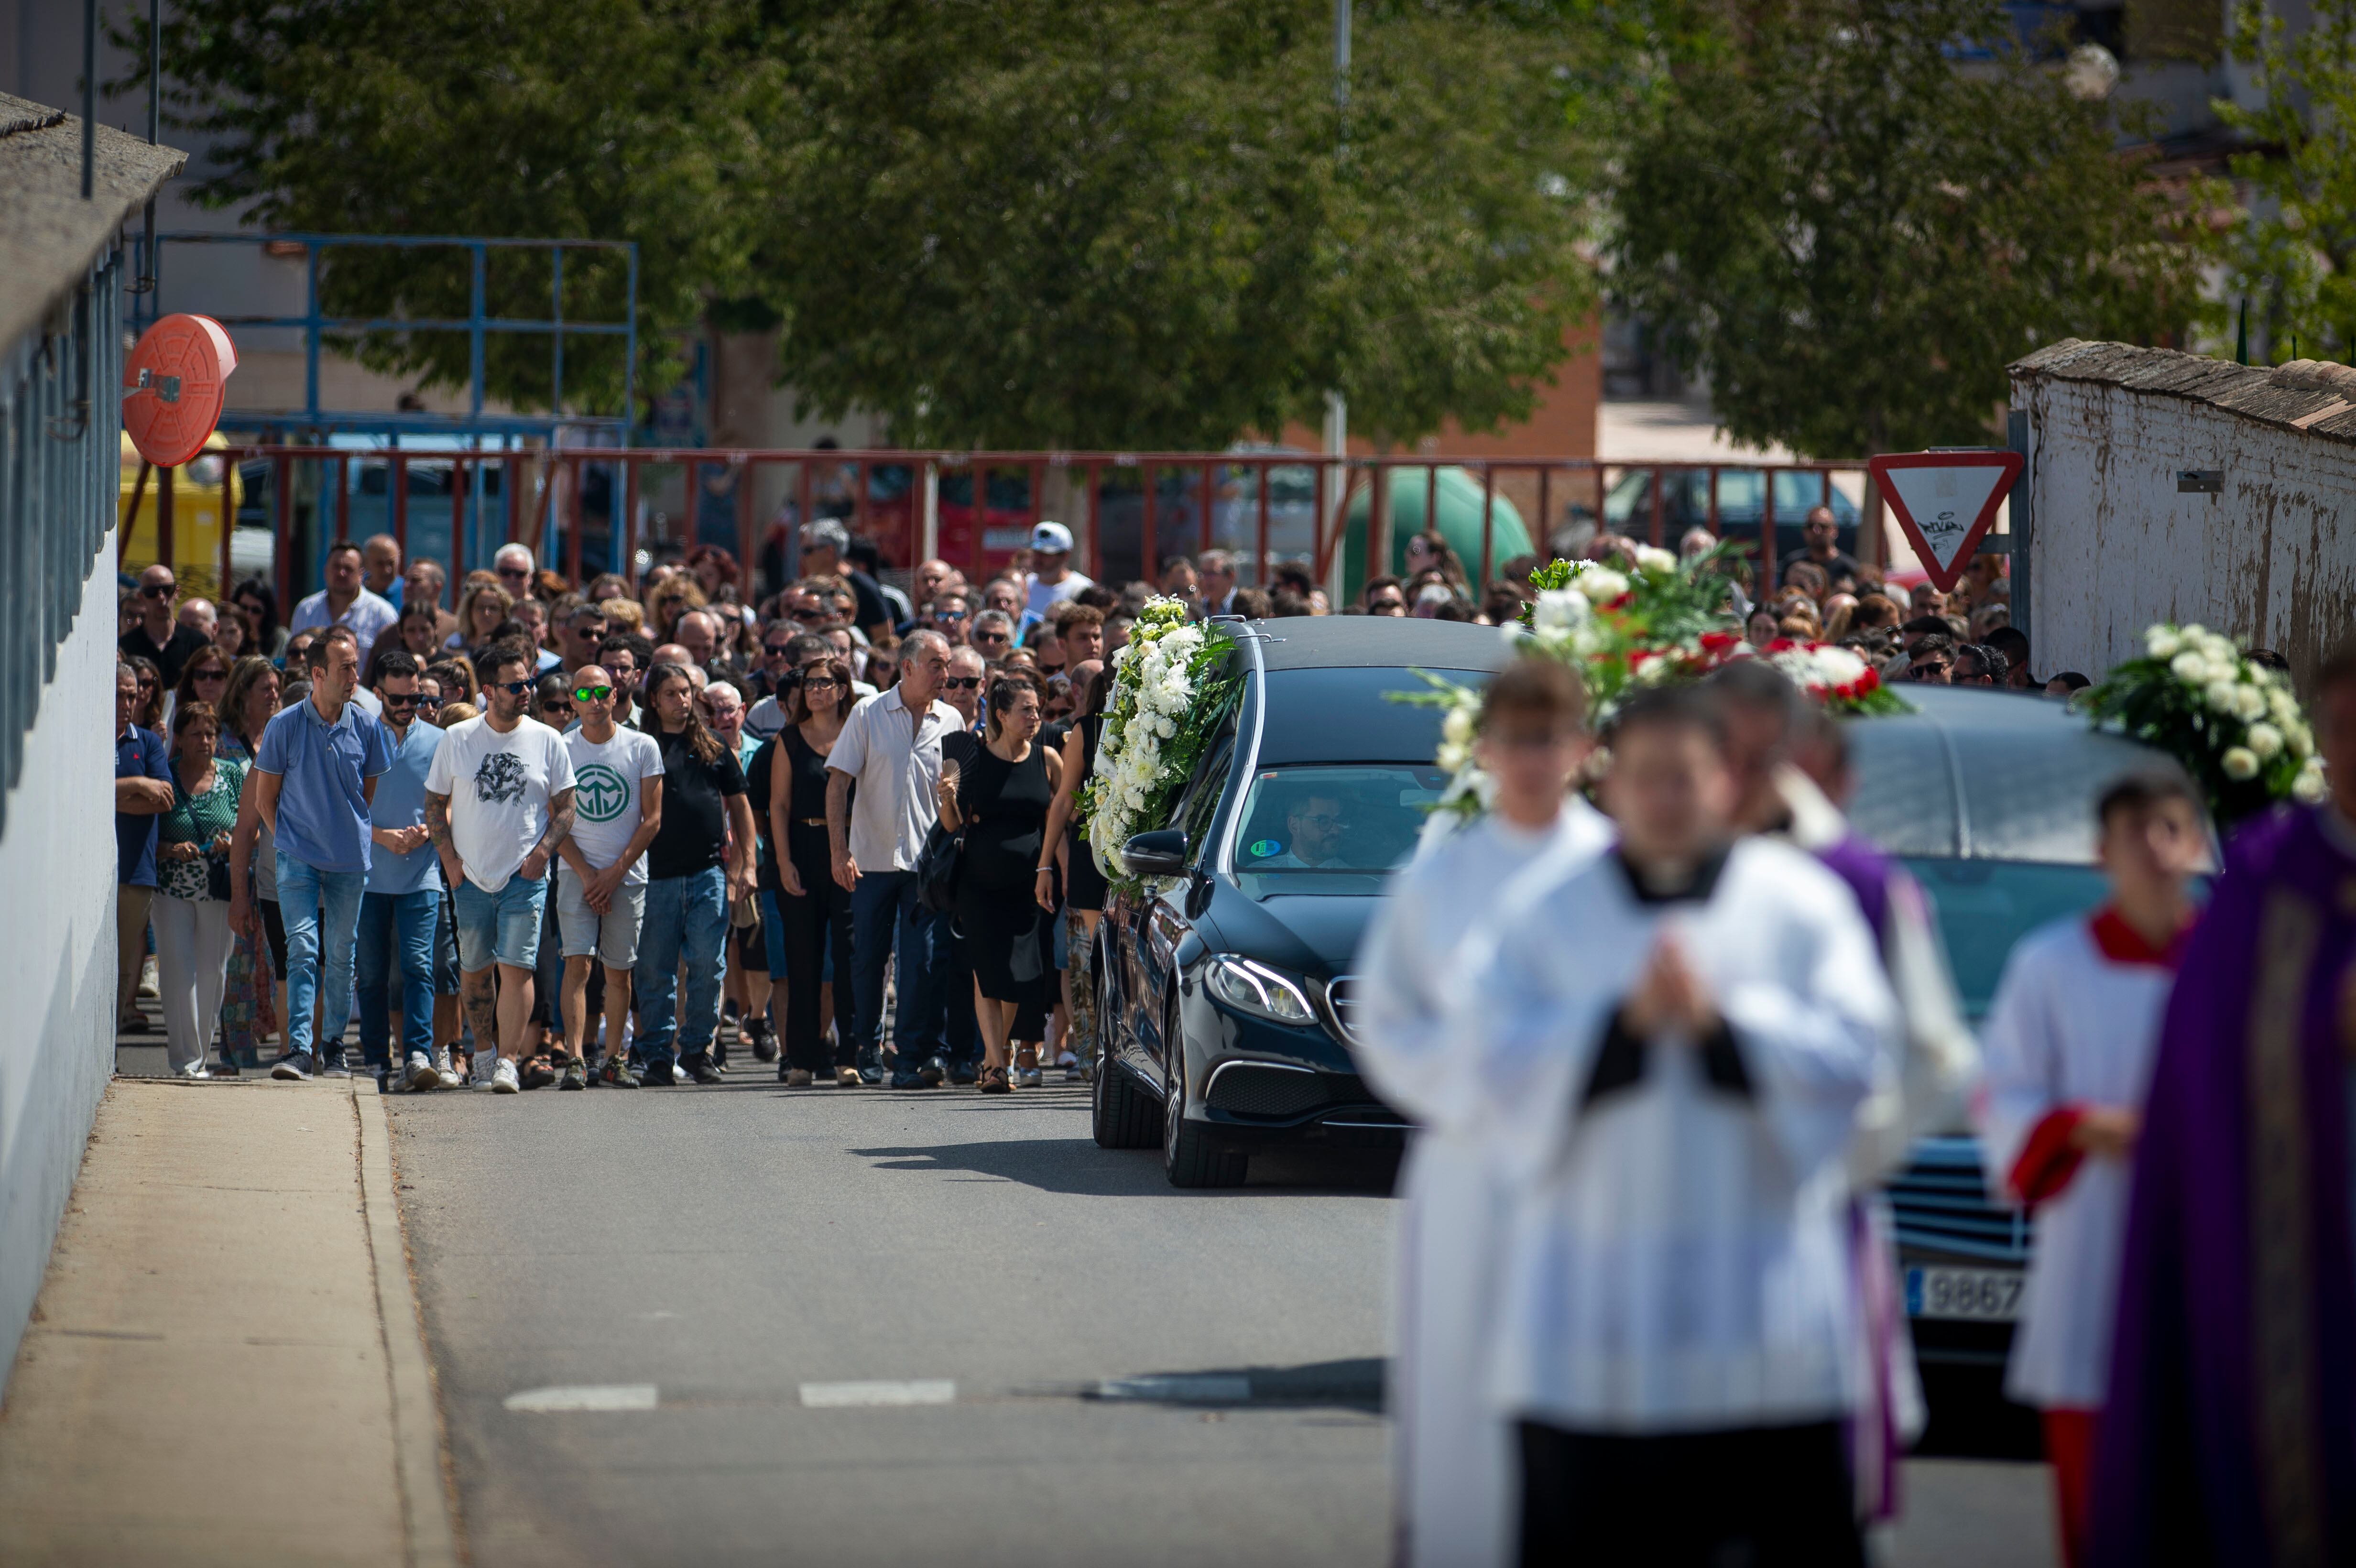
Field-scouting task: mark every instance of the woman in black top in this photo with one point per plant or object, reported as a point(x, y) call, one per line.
point(999, 802)
point(1083, 885)
point(813, 910)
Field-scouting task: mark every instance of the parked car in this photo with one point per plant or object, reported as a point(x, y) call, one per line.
point(1987, 797)
point(1224, 990)
point(1741, 505)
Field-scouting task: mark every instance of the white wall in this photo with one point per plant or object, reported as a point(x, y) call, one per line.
point(56, 951)
point(2115, 547)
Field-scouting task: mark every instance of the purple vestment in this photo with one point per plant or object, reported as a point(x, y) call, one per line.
point(2229, 1435)
point(1866, 870)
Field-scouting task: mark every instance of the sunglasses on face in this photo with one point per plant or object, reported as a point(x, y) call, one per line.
point(158, 589)
point(513, 571)
point(397, 699)
point(592, 693)
point(963, 683)
point(821, 683)
point(990, 636)
point(212, 675)
point(1390, 604)
point(428, 702)
point(949, 614)
point(557, 709)
point(513, 687)
point(776, 650)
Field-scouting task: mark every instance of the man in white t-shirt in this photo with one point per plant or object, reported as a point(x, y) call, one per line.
point(499, 802)
point(601, 874)
point(1052, 579)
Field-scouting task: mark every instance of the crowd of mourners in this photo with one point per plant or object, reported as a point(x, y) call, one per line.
point(539, 832)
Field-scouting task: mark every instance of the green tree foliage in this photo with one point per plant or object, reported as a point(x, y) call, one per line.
point(1007, 222)
point(1112, 224)
point(1852, 232)
point(602, 119)
point(2293, 253)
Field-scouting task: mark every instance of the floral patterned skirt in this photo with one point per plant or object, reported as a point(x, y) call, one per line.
point(249, 1005)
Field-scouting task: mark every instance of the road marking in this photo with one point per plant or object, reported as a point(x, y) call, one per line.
point(1204, 1388)
point(843, 1396)
point(584, 1396)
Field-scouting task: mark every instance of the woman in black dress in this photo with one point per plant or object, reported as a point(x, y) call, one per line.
point(1083, 885)
point(999, 802)
point(813, 909)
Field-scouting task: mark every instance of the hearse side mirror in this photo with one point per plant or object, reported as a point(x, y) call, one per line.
point(1161, 853)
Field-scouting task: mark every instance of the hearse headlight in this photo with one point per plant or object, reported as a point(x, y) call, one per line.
point(1254, 988)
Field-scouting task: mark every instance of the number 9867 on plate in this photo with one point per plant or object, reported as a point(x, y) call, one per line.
point(1979, 1294)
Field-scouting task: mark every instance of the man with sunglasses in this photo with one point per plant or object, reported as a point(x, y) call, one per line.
point(499, 803)
point(513, 566)
point(993, 635)
point(401, 912)
point(585, 629)
point(159, 637)
point(601, 874)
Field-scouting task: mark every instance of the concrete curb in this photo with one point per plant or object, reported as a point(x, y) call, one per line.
point(428, 1511)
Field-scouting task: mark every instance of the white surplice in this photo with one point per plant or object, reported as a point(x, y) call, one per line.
point(2071, 1026)
point(1680, 1260)
point(1453, 1458)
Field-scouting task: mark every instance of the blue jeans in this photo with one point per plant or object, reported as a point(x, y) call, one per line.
point(686, 916)
point(397, 932)
point(884, 910)
point(319, 909)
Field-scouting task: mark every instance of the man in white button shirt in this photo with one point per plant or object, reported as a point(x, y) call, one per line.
point(346, 601)
point(891, 749)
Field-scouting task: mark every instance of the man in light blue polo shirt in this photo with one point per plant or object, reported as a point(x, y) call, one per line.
point(401, 912)
point(315, 772)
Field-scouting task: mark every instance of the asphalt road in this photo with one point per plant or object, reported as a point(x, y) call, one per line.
point(746, 1250)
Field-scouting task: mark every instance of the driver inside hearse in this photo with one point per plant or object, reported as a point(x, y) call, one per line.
point(1313, 826)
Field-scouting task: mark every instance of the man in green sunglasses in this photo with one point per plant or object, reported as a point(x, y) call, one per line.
point(601, 877)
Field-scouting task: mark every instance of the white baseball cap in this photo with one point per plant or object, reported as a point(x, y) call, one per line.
point(1053, 537)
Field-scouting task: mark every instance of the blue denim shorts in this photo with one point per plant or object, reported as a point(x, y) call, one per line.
point(501, 927)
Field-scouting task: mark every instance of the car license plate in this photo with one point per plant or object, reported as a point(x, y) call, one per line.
point(1982, 1294)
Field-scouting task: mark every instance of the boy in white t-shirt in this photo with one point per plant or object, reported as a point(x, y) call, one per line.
point(498, 801)
point(601, 875)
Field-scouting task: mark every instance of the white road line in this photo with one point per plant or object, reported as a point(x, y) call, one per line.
point(584, 1396)
point(844, 1396)
point(1205, 1388)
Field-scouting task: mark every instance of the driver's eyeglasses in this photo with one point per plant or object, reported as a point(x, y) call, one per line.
point(514, 688)
point(592, 693)
point(1324, 820)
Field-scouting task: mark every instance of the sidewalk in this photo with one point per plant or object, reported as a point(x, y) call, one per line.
point(226, 1364)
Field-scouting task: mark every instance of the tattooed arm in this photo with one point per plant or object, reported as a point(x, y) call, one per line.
point(560, 828)
point(437, 829)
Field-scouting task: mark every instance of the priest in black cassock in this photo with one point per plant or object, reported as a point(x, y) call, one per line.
point(1682, 1034)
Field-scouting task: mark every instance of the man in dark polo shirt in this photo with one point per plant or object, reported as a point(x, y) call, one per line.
point(157, 637)
point(142, 790)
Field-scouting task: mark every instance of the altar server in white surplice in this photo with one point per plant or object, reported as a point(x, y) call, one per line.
point(1454, 1460)
point(1682, 1035)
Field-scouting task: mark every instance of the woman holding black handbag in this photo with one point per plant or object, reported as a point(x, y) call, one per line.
point(998, 803)
point(191, 908)
point(811, 910)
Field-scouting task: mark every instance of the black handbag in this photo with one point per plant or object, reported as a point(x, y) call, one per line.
point(217, 886)
point(937, 870)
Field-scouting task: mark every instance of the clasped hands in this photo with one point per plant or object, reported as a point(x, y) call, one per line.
point(1669, 996)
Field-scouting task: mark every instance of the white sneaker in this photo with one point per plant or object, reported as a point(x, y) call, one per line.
point(421, 1074)
point(678, 1074)
point(448, 1074)
point(478, 1075)
point(504, 1080)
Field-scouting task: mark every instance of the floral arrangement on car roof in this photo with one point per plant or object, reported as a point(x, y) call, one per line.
point(1624, 624)
point(2231, 722)
point(1170, 694)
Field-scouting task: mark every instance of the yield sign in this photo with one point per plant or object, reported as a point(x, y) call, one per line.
point(1945, 501)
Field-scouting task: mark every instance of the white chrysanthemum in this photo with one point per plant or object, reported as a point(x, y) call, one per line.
point(1453, 756)
point(2280, 703)
point(2162, 642)
point(1600, 584)
point(2311, 785)
point(1458, 726)
point(2221, 650)
point(2301, 739)
point(2239, 763)
point(1650, 558)
point(1559, 608)
point(2249, 702)
point(2190, 667)
point(2220, 697)
point(2193, 635)
point(2267, 741)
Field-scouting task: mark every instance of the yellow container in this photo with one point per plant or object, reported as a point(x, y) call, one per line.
point(204, 503)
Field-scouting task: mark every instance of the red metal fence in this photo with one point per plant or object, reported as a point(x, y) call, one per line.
point(539, 497)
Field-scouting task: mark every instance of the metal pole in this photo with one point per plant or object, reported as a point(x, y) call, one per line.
point(166, 545)
point(1208, 489)
point(282, 553)
point(1431, 499)
point(89, 98)
point(631, 521)
point(474, 329)
point(146, 279)
point(745, 544)
point(1660, 505)
point(311, 327)
point(630, 365)
point(1766, 537)
point(1546, 511)
point(399, 480)
point(458, 530)
point(928, 537)
point(343, 497)
point(1145, 540)
point(556, 311)
point(1265, 472)
point(1488, 522)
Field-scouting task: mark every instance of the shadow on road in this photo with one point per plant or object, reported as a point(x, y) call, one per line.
point(1356, 1384)
point(1076, 1167)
